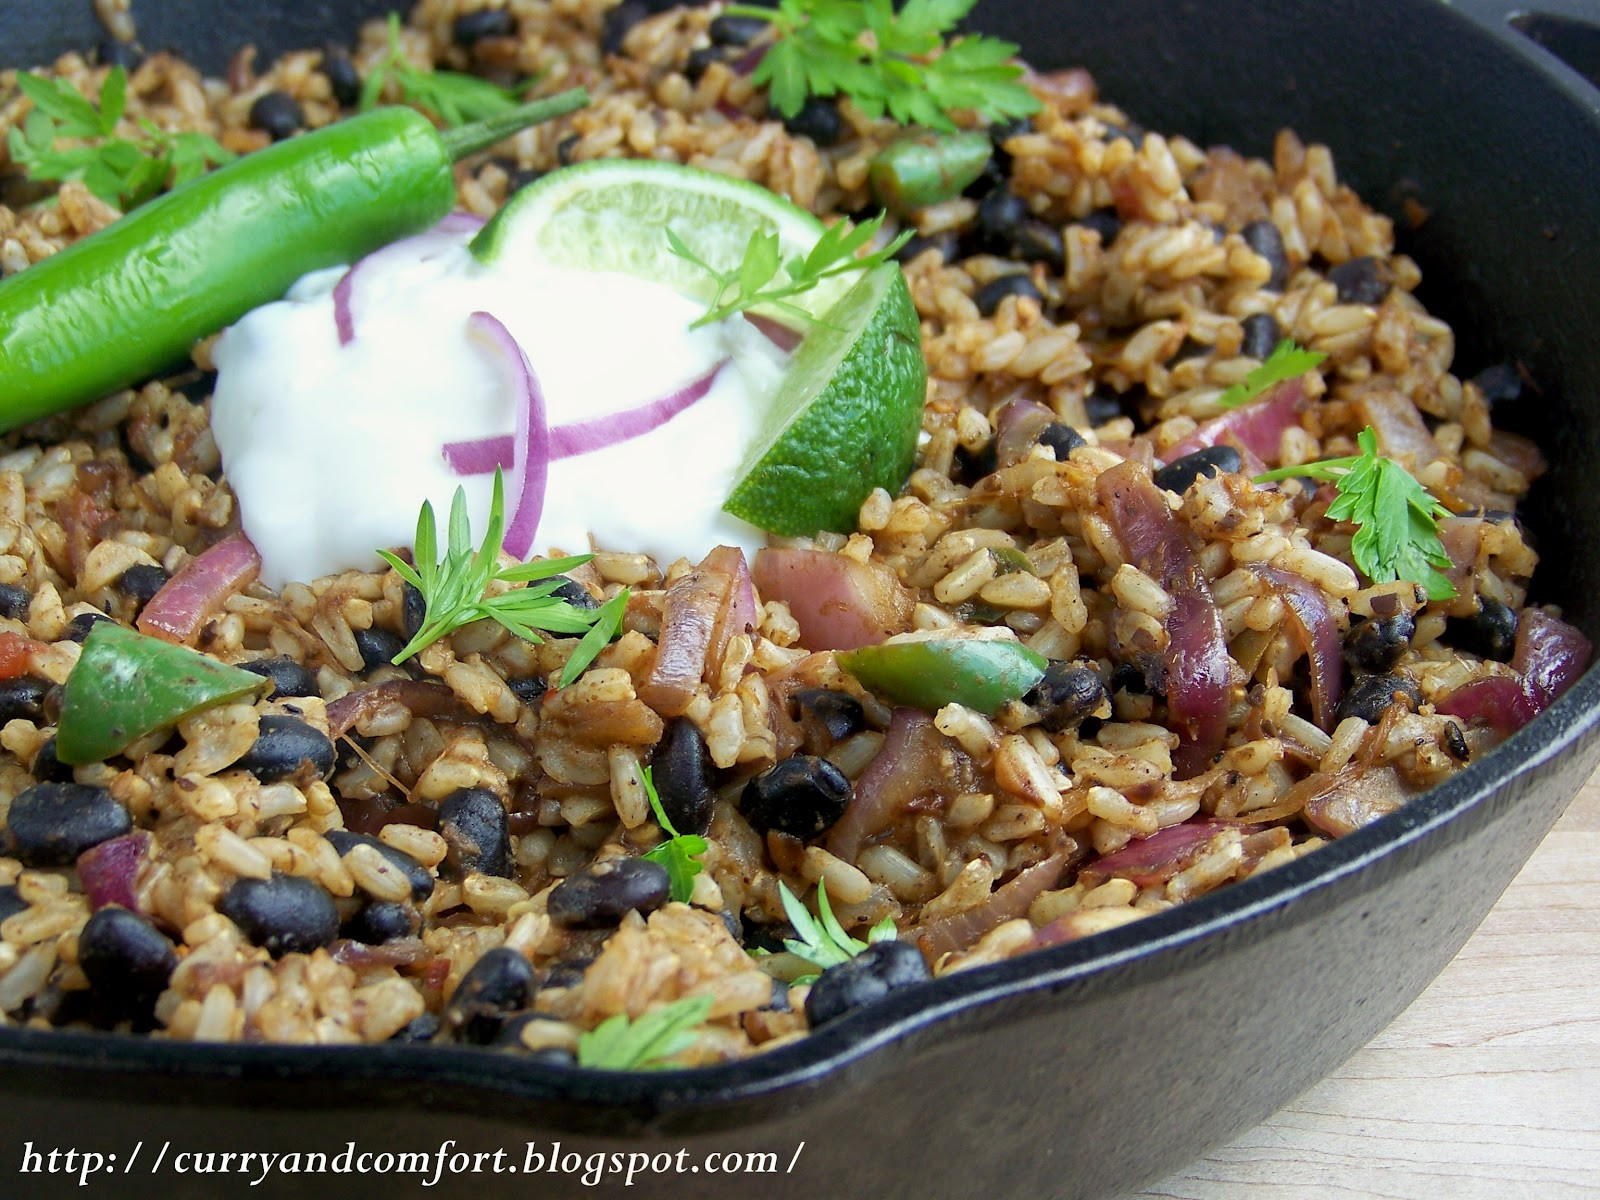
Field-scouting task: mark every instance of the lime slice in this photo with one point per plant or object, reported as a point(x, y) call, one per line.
point(612, 215)
point(846, 415)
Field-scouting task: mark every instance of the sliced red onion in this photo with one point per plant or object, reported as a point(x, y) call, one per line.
point(1196, 657)
point(1257, 427)
point(1018, 425)
point(109, 872)
point(423, 697)
point(784, 337)
point(738, 613)
point(1398, 427)
point(530, 457)
point(747, 62)
point(1315, 628)
point(198, 590)
point(1497, 702)
point(1007, 903)
point(906, 766)
point(1461, 537)
point(482, 455)
point(423, 247)
point(1355, 797)
point(838, 603)
point(1550, 655)
point(689, 617)
point(1157, 858)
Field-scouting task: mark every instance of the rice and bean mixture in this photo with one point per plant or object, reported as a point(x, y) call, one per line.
point(434, 852)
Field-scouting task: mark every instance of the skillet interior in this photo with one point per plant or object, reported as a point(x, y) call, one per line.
point(1087, 1069)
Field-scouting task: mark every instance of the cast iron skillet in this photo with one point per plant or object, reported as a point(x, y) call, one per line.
point(1092, 1068)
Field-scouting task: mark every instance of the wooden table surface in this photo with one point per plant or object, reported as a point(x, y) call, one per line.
point(1487, 1087)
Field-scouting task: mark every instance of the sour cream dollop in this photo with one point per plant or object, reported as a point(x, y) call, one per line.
point(331, 449)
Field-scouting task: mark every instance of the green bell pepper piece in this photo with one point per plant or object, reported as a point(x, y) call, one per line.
point(126, 685)
point(927, 168)
point(929, 673)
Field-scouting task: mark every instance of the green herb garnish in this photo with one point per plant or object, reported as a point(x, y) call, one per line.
point(1286, 361)
point(752, 284)
point(886, 61)
point(618, 1044)
point(1396, 518)
point(453, 590)
point(680, 853)
point(454, 98)
point(121, 171)
point(824, 943)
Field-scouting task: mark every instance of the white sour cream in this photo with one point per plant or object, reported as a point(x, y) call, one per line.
point(332, 449)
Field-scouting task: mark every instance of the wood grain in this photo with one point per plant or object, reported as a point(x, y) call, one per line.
point(1487, 1087)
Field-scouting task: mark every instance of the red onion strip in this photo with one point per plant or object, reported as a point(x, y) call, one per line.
point(429, 244)
point(1159, 857)
point(1549, 657)
point(110, 871)
point(1256, 428)
point(530, 459)
point(176, 612)
point(1312, 621)
point(784, 337)
point(1007, 903)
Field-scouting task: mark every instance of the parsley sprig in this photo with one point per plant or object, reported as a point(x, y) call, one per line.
point(680, 853)
point(618, 1044)
point(121, 171)
point(1286, 361)
point(453, 590)
point(888, 61)
point(454, 98)
point(756, 283)
point(821, 940)
point(1396, 518)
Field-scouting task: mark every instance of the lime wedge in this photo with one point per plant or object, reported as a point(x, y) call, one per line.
point(846, 415)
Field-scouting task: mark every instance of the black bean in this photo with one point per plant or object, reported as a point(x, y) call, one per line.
point(1187, 349)
point(1040, 241)
point(996, 173)
point(473, 824)
point(575, 594)
point(881, 968)
point(22, 698)
point(1501, 382)
point(52, 823)
point(1370, 696)
point(378, 647)
point(14, 601)
point(1068, 693)
point(700, 60)
point(471, 28)
point(1455, 742)
point(1261, 335)
point(529, 690)
point(1363, 280)
point(286, 914)
point(11, 903)
point(127, 959)
point(761, 936)
point(141, 582)
point(832, 715)
point(286, 746)
point(988, 297)
point(380, 921)
point(1375, 646)
point(78, 628)
point(1117, 133)
point(1179, 474)
point(601, 894)
point(801, 796)
point(1003, 131)
point(1000, 218)
point(421, 1028)
point(522, 177)
point(499, 983)
point(47, 768)
point(947, 243)
point(566, 972)
point(1105, 222)
point(567, 147)
point(413, 610)
point(278, 115)
point(1063, 439)
point(421, 879)
point(684, 778)
point(1102, 406)
point(288, 677)
point(736, 31)
point(343, 78)
point(780, 998)
point(112, 53)
point(1491, 632)
point(1263, 237)
point(1130, 678)
point(818, 119)
point(619, 23)
point(969, 466)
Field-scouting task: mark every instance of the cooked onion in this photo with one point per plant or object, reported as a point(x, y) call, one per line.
point(1316, 630)
point(199, 589)
point(1257, 427)
point(838, 603)
point(1012, 900)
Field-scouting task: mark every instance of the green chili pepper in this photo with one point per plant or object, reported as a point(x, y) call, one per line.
point(928, 673)
point(130, 300)
point(915, 172)
point(126, 685)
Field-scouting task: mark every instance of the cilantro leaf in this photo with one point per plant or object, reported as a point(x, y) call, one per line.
point(1286, 361)
point(1396, 518)
point(452, 97)
point(680, 853)
point(821, 940)
point(618, 1044)
point(453, 590)
point(754, 281)
point(886, 61)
